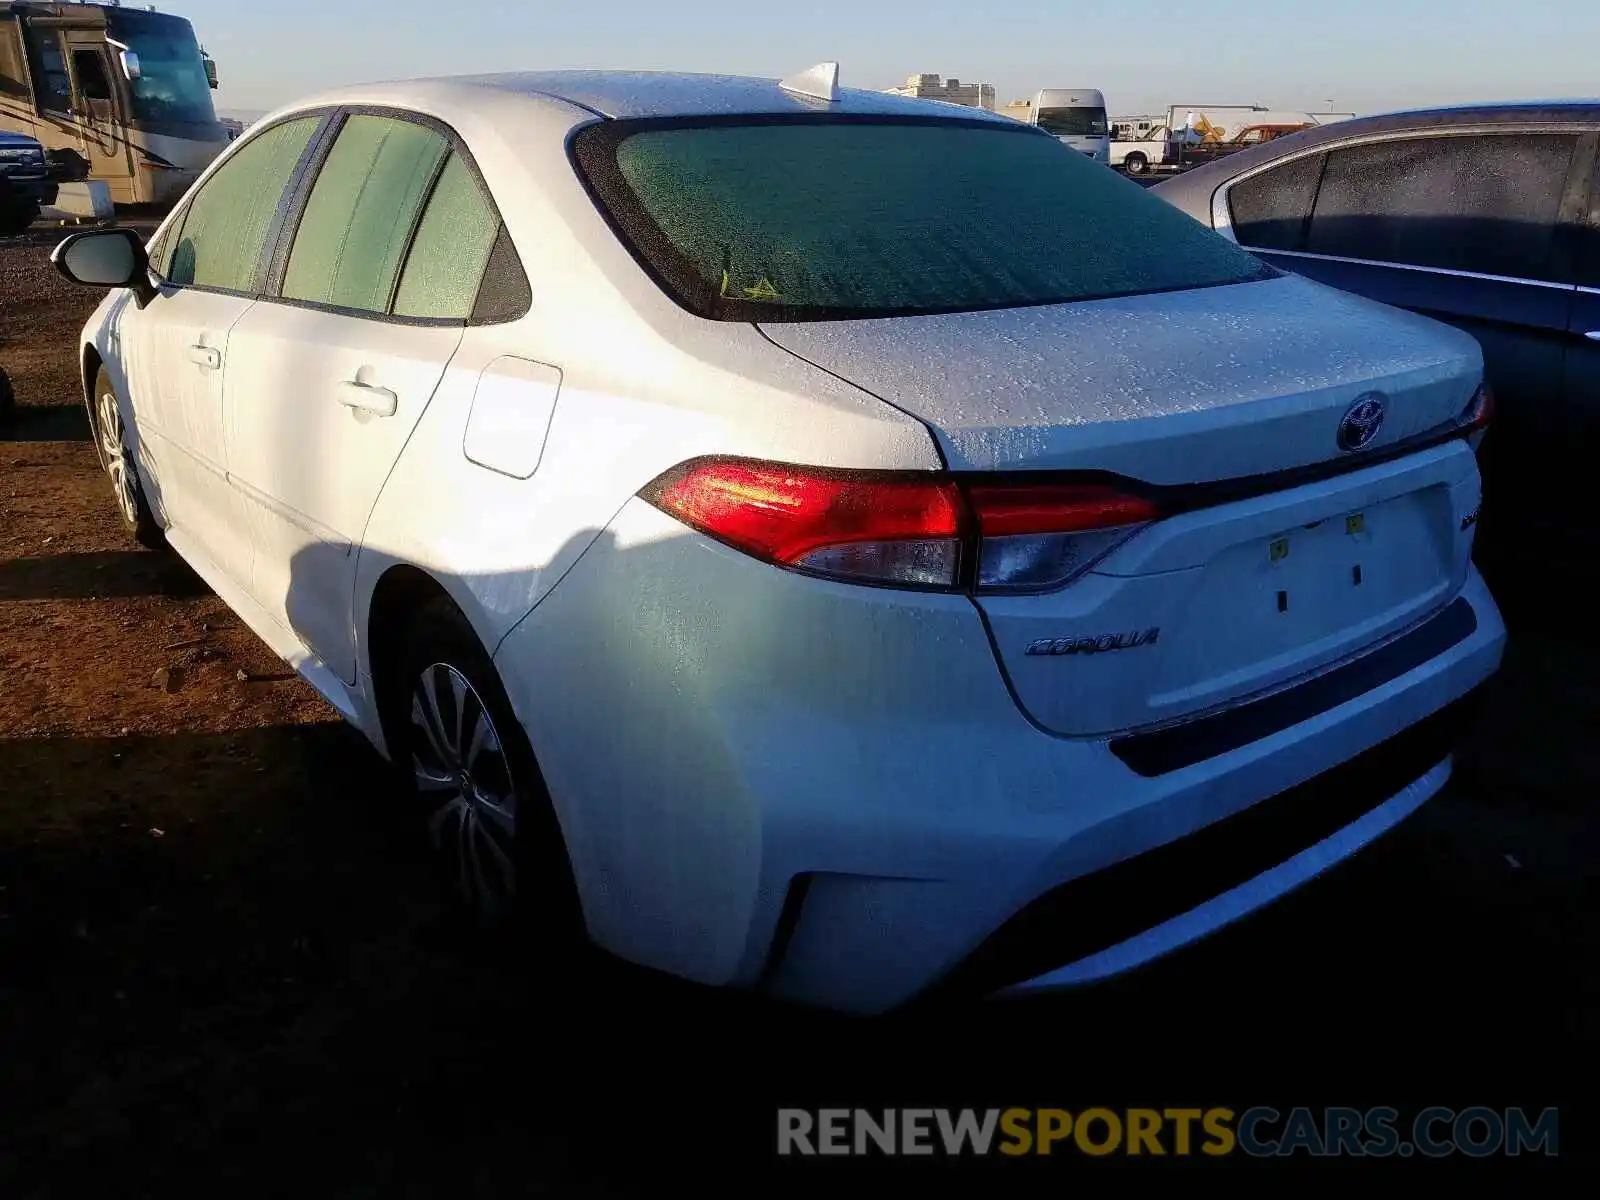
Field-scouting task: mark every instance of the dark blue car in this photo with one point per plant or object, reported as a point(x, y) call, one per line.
point(1487, 218)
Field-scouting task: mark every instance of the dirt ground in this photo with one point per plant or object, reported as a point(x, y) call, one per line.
point(223, 963)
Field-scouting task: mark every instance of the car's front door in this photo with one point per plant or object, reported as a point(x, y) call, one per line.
point(331, 375)
point(209, 263)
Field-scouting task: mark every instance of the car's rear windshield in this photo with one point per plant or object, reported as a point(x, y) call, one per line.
point(820, 218)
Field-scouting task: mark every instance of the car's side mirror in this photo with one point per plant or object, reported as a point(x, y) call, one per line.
point(211, 72)
point(109, 258)
point(130, 65)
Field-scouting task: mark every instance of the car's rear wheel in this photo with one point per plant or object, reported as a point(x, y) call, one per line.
point(1136, 164)
point(111, 444)
point(478, 787)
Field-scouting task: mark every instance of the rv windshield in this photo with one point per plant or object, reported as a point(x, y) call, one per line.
point(172, 84)
point(1073, 122)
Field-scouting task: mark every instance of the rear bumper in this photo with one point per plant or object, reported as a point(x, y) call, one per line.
point(827, 791)
point(41, 190)
point(1177, 893)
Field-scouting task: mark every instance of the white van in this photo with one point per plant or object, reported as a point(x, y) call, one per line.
point(1077, 116)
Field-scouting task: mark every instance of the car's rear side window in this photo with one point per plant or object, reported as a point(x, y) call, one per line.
point(361, 212)
point(447, 259)
point(1486, 203)
point(762, 219)
point(225, 224)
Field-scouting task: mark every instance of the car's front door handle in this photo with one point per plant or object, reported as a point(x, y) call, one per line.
point(365, 398)
point(206, 356)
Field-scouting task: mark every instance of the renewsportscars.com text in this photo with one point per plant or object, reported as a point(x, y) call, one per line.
point(1259, 1132)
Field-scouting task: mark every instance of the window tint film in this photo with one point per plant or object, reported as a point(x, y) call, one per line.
point(1270, 210)
point(226, 227)
point(361, 212)
point(760, 220)
point(1486, 203)
point(451, 249)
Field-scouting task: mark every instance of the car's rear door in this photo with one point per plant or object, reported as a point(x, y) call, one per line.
point(1471, 227)
point(331, 371)
point(1576, 416)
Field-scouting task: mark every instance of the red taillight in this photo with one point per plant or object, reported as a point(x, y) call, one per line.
point(903, 529)
point(1479, 410)
point(852, 524)
point(1006, 509)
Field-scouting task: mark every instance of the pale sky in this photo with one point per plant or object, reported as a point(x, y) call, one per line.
point(1363, 55)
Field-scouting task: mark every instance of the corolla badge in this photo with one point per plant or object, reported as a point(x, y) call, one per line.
point(1094, 645)
point(1362, 420)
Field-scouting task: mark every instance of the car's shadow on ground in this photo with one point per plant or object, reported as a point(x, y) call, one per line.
point(46, 423)
point(225, 959)
point(97, 575)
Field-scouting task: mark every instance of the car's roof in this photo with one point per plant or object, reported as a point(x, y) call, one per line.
point(625, 94)
point(1536, 114)
point(1521, 113)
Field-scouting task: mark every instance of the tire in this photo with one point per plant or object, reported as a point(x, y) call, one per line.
point(16, 215)
point(8, 398)
point(498, 847)
point(111, 444)
point(1136, 164)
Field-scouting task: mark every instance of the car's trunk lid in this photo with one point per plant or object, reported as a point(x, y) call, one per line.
point(1231, 597)
point(1209, 383)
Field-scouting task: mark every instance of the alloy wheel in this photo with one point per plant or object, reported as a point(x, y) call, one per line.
point(116, 458)
point(461, 772)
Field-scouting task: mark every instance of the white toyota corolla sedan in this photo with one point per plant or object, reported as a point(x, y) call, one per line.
point(803, 538)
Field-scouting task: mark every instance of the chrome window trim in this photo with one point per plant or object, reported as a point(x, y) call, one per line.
point(1450, 271)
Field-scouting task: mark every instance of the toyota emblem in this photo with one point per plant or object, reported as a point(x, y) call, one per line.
point(1361, 421)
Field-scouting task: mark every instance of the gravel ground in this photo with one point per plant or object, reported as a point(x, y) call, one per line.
point(223, 963)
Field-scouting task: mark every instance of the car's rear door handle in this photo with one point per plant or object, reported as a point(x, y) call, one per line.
point(206, 356)
point(365, 398)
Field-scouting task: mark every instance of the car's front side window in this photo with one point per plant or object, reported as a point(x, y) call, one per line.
point(359, 218)
point(226, 223)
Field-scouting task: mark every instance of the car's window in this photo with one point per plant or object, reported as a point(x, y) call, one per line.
point(504, 294)
point(1475, 202)
point(226, 223)
point(361, 213)
point(451, 249)
point(1072, 122)
point(819, 218)
point(1589, 239)
point(1269, 210)
point(91, 71)
point(158, 248)
point(50, 71)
